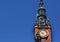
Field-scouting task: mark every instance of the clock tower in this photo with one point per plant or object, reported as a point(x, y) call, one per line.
point(42, 27)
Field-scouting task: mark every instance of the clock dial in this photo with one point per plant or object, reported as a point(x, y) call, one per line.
point(43, 33)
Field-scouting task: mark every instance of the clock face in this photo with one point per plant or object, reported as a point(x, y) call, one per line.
point(43, 33)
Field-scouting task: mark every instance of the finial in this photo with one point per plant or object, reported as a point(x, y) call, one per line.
point(41, 4)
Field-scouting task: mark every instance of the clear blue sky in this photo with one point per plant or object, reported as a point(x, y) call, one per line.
point(17, 18)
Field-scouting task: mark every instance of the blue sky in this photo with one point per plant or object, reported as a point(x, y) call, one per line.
point(17, 19)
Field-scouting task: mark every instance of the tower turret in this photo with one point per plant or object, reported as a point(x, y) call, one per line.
point(42, 28)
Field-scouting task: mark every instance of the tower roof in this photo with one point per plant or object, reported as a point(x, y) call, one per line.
point(41, 18)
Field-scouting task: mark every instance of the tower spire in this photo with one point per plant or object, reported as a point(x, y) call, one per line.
point(41, 18)
point(41, 4)
point(42, 10)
